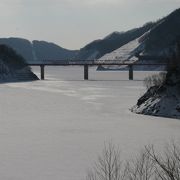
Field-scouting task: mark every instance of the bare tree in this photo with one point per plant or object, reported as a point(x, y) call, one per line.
point(168, 164)
point(140, 168)
point(148, 165)
point(108, 165)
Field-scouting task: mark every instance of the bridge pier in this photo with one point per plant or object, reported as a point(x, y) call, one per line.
point(42, 72)
point(86, 72)
point(130, 72)
point(86, 65)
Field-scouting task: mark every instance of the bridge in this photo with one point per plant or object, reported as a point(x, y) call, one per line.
point(87, 63)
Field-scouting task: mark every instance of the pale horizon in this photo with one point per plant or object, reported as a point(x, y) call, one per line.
point(74, 23)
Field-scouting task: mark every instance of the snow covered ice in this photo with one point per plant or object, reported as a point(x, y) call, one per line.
point(54, 129)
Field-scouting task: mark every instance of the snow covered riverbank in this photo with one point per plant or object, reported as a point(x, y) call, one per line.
point(54, 129)
point(162, 102)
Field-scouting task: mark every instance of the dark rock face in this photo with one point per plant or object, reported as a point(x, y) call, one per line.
point(13, 66)
point(173, 67)
point(164, 35)
point(21, 46)
point(153, 91)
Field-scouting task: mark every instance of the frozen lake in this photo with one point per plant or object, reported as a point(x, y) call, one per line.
point(54, 129)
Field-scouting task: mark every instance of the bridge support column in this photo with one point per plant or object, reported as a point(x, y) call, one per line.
point(86, 72)
point(42, 72)
point(130, 72)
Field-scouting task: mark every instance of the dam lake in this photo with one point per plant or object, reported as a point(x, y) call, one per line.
point(55, 129)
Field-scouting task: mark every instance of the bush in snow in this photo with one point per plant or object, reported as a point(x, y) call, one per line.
point(155, 80)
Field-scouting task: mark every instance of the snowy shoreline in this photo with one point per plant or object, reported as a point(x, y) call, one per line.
point(163, 102)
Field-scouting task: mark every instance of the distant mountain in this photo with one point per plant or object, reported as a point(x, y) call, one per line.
point(13, 66)
point(163, 36)
point(50, 51)
point(157, 42)
point(38, 50)
point(21, 46)
point(161, 39)
point(152, 39)
point(98, 48)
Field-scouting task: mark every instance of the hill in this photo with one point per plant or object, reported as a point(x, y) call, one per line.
point(48, 51)
point(154, 44)
point(13, 66)
point(98, 48)
point(21, 46)
point(37, 50)
point(164, 35)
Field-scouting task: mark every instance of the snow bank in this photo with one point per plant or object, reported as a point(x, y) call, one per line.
point(159, 101)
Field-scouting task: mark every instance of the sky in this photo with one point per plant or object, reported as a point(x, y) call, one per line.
point(74, 23)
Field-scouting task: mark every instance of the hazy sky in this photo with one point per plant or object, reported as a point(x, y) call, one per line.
point(74, 23)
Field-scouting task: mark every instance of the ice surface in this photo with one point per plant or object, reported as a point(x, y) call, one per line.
point(54, 129)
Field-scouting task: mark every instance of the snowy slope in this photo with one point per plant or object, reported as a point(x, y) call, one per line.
point(125, 52)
